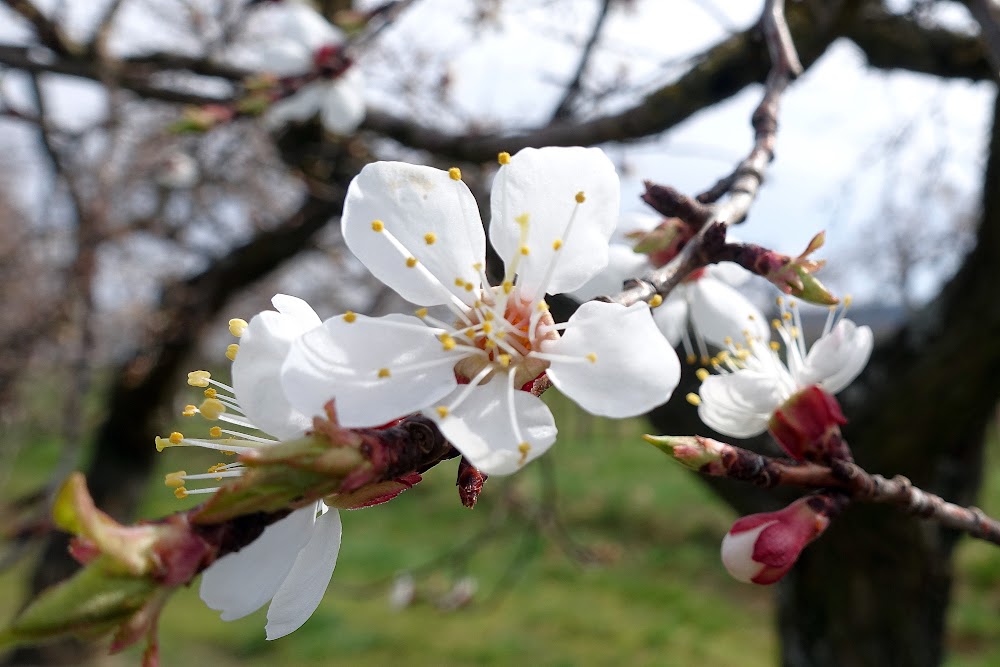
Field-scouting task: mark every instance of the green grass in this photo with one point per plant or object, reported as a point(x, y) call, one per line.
point(650, 592)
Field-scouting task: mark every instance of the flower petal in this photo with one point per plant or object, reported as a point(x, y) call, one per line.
point(343, 106)
point(376, 368)
point(240, 583)
point(303, 588)
point(298, 107)
point(257, 368)
point(737, 553)
point(718, 312)
point(838, 357)
point(543, 184)
point(482, 429)
point(739, 404)
point(671, 316)
point(623, 263)
point(435, 220)
point(633, 369)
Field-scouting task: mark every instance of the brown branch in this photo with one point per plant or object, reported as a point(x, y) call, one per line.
point(854, 481)
point(985, 13)
point(49, 34)
point(564, 108)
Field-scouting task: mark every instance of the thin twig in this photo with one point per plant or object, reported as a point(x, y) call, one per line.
point(565, 106)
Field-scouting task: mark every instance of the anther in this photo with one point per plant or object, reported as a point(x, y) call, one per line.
point(693, 399)
point(383, 372)
point(442, 411)
point(430, 238)
point(580, 197)
point(455, 174)
point(378, 225)
point(557, 244)
point(691, 358)
point(211, 409)
point(421, 313)
point(199, 378)
point(349, 317)
point(176, 438)
point(210, 393)
point(180, 493)
point(215, 432)
point(525, 250)
point(507, 286)
point(411, 262)
point(503, 157)
point(655, 301)
point(702, 374)
point(174, 479)
point(189, 411)
point(237, 326)
point(504, 360)
point(231, 351)
point(524, 448)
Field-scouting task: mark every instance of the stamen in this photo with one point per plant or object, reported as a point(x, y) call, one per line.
point(430, 238)
point(503, 157)
point(655, 301)
point(199, 378)
point(455, 174)
point(693, 399)
point(349, 317)
point(237, 326)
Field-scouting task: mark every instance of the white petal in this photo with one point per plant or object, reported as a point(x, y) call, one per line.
point(671, 316)
point(342, 360)
point(304, 25)
point(634, 370)
point(240, 583)
point(413, 201)
point(623, 262)
point(481, 427)
point(543, 184)
point(343, 106)
point(303, 588)
point(730, 273)
point(257, 368)
point(298, 107)
point(838, 357)
point(737, 553)
point(739, 404)
point(718, 311)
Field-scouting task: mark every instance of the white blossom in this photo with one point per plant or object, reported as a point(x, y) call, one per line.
point(418, 230)
point(753, 381)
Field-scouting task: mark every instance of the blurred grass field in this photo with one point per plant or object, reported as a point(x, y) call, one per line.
point(650, 592)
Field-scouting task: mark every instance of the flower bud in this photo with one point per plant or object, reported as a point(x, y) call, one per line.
point(694, 452)
point(761, 548)
point(794, 275)
point(807, 426)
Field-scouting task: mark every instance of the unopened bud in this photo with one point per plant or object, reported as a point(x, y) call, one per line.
point(762, 548)
point(694, 452)
point(795, 275)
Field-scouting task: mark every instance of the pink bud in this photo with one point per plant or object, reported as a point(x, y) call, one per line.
point(807, 426)
point(761, 548)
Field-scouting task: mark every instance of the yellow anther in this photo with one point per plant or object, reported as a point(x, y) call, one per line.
point(189, 411)
point(411, 262)
point(500, 334)
point(542, 307)
point(215, 432)
point(592, 358)
point(723, 355)
point(469, 287)
point(488, 316)
point(524, 448)
point(557, 244)
point(504, 360)
point(161, 443)
point(786, 317)
point(228, 453)
point(774, 345)
point(848, 299)
point(478, 266)
point(743, 355)
point(522, 219)
point(180, 493)
point(792, 303)
point(525, 250)
point(503, 157)
point(176, 438)
point(378, 226)
point(779, 301)
point(199, 378)
point(776, 323)
point(490, 345)
point(693, 399)
point(459, 282)
point(455, 174)
point(727, 341)
point(430, 238)
point(507, 286)
point(211, 409)
point(691, 358)
point(470, 333)
point(447, 342)
point(217, 467)
point(349, 317)
point(210, 393)
point(704, 360)
point(421, 313)
point(384, 372)
point(751, 317)
point(237, 326)
point(487, 328)
point(580, 197)
point(231, 351)
point(702, 374)
point(655, 301)
point(738, 346)
point(442, 411)
point(174, 479)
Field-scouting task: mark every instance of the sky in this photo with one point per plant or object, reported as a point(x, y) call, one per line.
point(831, 166)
